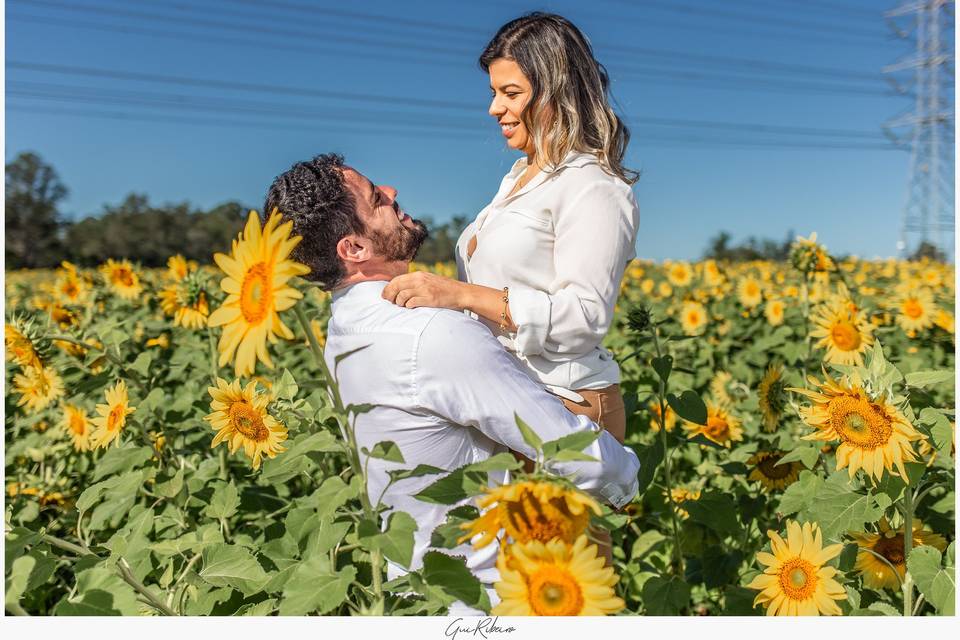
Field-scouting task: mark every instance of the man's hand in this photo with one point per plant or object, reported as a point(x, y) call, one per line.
point(424, 289)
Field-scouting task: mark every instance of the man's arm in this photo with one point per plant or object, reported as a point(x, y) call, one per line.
point(466, 376)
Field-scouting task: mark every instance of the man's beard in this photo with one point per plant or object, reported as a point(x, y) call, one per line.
point(401, 246)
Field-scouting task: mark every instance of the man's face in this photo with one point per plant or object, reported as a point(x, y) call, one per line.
point(395, 235)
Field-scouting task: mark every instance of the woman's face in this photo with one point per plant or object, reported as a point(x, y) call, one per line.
point(511, 92)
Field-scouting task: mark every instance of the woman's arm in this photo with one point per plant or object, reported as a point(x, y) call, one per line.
point(425, 289)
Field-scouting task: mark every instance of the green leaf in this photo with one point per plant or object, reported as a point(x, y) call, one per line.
point(286, 388)
point(650, 458)
point(385, 450)
point(333, 494)
point(936, 583)
point(416, 472)
point(227, 565)
point(920, 379)
point(325, 537)
point(295, 460)
point(738, 601)
point(172, 487)
point(940, 429)
point(716, 510)
point(468, 480)
point(121, 459)
point(689, 406)
point(575, 442)
point(838, 508)
point(313, 588)
point(451, 575)
point(663, 597)
point(529, 435)
point(645, 543)
point(447, 534)
point(224, 502)
point(801, 494)
point(662, 366)
point(499, 462)
point(142, 364)
point(100, 592)
point(807, 455)
point(567, 456)
point(396, 542)
point(848, 557)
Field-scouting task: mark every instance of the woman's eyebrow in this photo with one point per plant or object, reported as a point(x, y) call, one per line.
point(509, 84)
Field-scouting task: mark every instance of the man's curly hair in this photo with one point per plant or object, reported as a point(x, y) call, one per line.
point(314, 196)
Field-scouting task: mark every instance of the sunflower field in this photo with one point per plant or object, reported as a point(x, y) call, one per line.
point(175, 445)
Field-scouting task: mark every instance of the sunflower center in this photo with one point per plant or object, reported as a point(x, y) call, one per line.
point(529, 519)
point(912, 308)
point(845, 336)
point(116, 415)
point(859, 423)
point(716, 427)
point(554, 592)
point(247, 421)
point(798, 579)
point(768, 467)
point(891, 549)
point(78, 424)
point(124, 276)
point(255, 293)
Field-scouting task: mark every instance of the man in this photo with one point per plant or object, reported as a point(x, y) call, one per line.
point(445, 390)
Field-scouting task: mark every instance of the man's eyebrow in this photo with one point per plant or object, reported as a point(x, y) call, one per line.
point(373, 193)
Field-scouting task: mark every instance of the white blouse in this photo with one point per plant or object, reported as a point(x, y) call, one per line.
point(561, 244)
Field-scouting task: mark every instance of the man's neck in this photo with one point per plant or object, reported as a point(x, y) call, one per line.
point(371, 273)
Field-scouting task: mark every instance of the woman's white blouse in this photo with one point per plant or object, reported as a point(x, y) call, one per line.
point(561, 243)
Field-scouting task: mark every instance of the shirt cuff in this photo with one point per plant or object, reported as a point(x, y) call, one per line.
point(530, 311)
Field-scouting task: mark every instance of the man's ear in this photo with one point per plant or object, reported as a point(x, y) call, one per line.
point(354, 248)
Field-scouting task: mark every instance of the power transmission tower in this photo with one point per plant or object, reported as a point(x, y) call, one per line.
point(926, 129)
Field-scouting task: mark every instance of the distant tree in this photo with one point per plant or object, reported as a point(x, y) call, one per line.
point(31, 219)
point(441, 246)
point(928, 250)
point(719, 248)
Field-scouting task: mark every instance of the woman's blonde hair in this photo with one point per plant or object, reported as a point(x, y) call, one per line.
point(569, 109)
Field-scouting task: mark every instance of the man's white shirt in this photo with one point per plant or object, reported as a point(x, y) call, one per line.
point(445, 392)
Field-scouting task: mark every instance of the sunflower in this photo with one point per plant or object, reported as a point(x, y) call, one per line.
point(945, 320)
point(772, 397)
point(241, 418)
point(179, 267)
point(693, 317)
point(122, 278)
point(749, 292)
point(712, 276)
point(531, 510)
point(112, 417)
point(889, 544)
point(722, 426)
point(873, 434)
point(915, 310)
point(257, 271)
point(843, 331)
point(555, 579)
point(38, 387)
point(680, 274)
point(796, 580)
point(76, 424)
point(725, 390)
point(774, 311)
point(69, 288)
point(20, 348)
point(669, 419)
point(772, 476)
point(664, 289)
point(681, 495)
point(186, 301)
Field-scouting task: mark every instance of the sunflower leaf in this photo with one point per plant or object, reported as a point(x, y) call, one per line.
point(807, 455)
point(689, 406)
point(573, 442)
point(451, 575)
point(936, 583)
point(385, 450)
point(663, 597)
point(920, 379)
point(529, 435)
point(838, 508)
point(662, 365)
point(650, 458)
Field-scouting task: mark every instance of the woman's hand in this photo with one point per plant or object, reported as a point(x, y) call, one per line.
point(424, 289)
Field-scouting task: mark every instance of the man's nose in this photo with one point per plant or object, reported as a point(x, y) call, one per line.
point(390, 192)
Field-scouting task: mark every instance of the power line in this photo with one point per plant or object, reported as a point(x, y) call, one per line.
point(375, 99)
point(823, 7)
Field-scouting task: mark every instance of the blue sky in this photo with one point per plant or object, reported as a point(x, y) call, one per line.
point(683, 72)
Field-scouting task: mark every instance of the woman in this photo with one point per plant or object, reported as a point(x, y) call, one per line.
point(541, 265)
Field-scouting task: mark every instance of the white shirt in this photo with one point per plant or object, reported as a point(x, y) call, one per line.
point(561, 244)
point(446, 392)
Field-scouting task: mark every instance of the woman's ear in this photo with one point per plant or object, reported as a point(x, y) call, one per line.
point(354, 248)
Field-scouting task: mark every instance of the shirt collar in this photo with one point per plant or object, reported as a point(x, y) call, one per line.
point(358, 290)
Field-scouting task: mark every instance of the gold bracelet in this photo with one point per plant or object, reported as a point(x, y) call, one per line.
point(503, 314)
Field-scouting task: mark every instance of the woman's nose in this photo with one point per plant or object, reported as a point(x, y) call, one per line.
point(496, 109)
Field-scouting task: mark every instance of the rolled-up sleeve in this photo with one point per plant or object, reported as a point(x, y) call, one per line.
point(595, 232)
point(465, 376)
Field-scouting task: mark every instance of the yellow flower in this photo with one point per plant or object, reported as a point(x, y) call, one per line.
point(772, 476)
point(681, 495)
point(889, 544)
point(874, 435)
point(112, 417)
point(122, 278)
point(712, 276)
point(162, 341)
point(843, 331)
point(646, 286)
point(257, 272)
point(722, 426)
point(796, 580)
point(916, 310)
point(76, 424)
point(664, 290)
point(529, 510)
point(749, 292)
point(772, 397)
point(241, 419)
point(680, 274)
point(774, 312)
point(945, 320)
point(693, 317)
point(179, 267)
point(669, 420)
point(38, 387)
point(555, 579)
point(70, 288)
point(20, 348)
point(318, 333)
point(186, 301)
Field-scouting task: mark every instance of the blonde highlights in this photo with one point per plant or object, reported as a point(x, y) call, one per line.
point(569, 108)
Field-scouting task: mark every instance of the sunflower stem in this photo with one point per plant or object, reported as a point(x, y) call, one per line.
point(112, 357)
point(907, 548)
point(214, 363)
point(661, 398)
